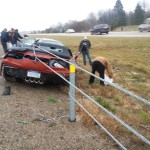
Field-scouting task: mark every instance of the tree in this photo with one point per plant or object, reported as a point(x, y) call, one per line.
point(144, 5)
point(138, 15)
point(92, 19)
point(130, 18)
point(120, 16)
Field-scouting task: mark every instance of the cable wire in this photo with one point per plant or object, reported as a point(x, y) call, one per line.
point(91, 99)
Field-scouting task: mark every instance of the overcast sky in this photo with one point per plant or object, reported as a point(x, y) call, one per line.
point(29, 15)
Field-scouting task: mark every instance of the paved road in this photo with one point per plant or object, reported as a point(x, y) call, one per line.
point(111, 34)
point(129, 34)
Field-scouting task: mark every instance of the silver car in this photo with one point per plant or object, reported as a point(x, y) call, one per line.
point(145, 26)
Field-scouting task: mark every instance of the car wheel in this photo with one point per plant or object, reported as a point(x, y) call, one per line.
point(9, 78)
point(6, 76)
point(141, 30)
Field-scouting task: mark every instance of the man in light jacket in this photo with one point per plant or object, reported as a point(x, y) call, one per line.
point(100, 64)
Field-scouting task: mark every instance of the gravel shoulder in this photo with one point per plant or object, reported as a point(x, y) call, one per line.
point(28, 121)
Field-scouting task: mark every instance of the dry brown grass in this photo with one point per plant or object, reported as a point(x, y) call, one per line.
point(131, 65)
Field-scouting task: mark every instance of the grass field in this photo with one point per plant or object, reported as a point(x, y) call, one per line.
point(128, 28)
point(130, 59)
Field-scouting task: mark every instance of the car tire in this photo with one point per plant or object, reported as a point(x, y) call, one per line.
point(141, 30)
point(9, 78)
point(6, 76)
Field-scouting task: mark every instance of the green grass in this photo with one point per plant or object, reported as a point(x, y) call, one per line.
point(144, 116)
point(52, 100)
point(105, 104)
point(128, 28)
point(128, 56)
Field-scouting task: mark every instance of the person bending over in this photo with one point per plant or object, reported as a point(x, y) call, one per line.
point(100, 64)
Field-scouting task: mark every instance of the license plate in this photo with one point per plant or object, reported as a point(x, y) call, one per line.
point(33, 74)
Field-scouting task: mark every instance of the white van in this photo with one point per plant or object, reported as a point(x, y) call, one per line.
point(145, 26)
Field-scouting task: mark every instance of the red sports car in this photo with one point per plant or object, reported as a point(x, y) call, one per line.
point(32, 63)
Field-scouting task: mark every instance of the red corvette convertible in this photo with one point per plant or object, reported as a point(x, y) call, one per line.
point(35, 64)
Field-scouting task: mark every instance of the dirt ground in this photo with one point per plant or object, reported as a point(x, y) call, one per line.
point(30, 121)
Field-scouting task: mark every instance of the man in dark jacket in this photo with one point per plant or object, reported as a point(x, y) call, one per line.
point(4, 39)
point(18, 36)
point(84, 48)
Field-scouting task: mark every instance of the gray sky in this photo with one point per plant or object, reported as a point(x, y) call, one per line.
point(28, 15)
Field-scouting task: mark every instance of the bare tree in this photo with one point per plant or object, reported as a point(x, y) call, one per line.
point(92, 19)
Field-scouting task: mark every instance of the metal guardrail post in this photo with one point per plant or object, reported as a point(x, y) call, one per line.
point(72, 116)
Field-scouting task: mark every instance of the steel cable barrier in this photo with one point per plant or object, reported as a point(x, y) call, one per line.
point(72, 97)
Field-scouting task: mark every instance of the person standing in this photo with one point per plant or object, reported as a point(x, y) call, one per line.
point(18, 36)
point(84, 48)
point(100, 64)
point(14, 37)
point(4, 40)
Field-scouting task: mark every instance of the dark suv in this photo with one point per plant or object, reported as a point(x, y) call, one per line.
point(99, 29)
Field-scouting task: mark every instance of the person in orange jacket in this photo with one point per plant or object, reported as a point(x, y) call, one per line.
point(100, 64)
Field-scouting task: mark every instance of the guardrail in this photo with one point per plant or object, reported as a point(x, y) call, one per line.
point(72, 101)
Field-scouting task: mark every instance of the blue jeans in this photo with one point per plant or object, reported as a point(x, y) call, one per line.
point(84, 54)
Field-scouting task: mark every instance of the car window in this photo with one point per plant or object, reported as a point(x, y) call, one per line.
point(100, 26)
point(147, 21)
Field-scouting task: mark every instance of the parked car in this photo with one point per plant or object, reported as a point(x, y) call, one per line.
point(99, 29)
point(21, 63)
point(145, 26)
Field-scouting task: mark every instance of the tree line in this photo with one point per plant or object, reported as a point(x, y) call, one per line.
point(116, 17)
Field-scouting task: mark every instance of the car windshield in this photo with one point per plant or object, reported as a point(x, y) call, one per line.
point(147, 21)
point(27, 42)
point(100, 26)
point(44, 40)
